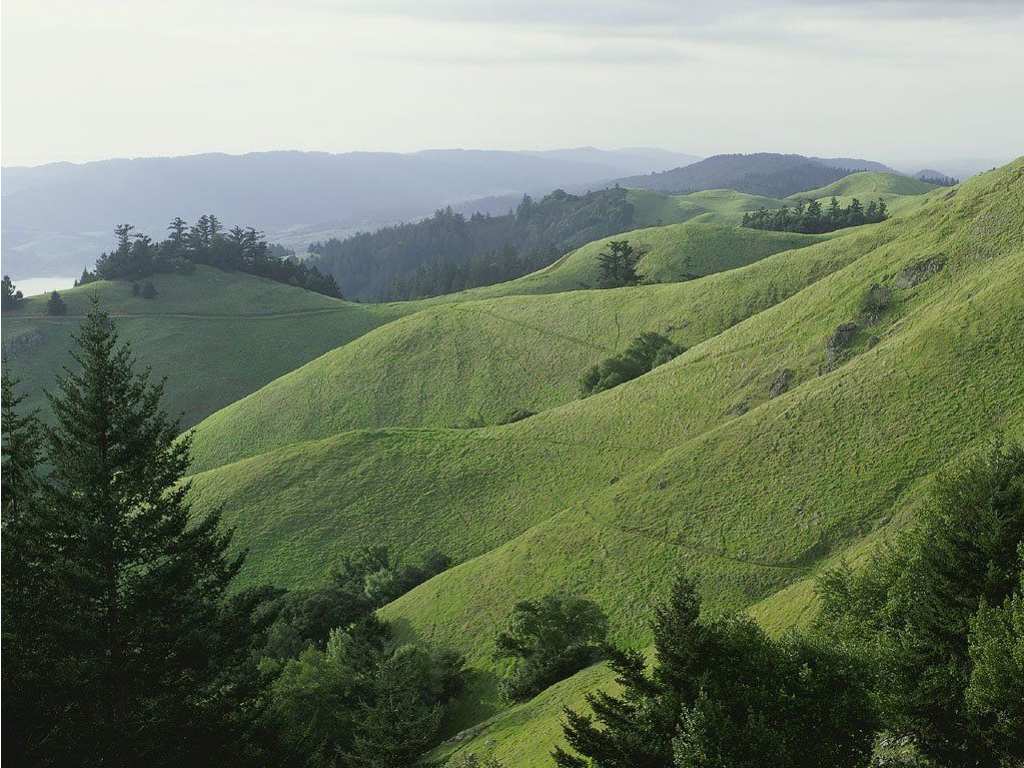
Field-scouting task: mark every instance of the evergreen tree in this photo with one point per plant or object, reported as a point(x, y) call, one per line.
point(724, 695)
point(176, 231)
point(148, 290)
point(835, 214)
point(35, 674)
point(855, 214)
point(55, 305)
point(150, 654)
point(617, 265)
point(11, 297)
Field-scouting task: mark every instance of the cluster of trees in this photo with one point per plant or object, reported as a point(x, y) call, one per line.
point(206, 242)
point(124, 642)
point(10, 296)
point(548, 640)
point(811, 218)
point(923, 646)
point(645, 353)
point(449, 252)
point(938, 179)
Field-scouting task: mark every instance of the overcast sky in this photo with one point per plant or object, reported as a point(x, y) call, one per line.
point(902, 82)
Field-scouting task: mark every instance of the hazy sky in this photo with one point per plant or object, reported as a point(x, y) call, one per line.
point(901, 82)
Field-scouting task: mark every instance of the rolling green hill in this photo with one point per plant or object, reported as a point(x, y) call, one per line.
point(694, 466)
point(714, 206)
point(902, 194)
point(475, 362)
point(673, 252)
point(246, 330)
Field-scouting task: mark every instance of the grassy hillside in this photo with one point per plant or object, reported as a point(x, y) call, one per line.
point(673, 253)
point(475, 362)
point(692, 466)
point(714, 206)
point(902, 194)
point(868, 185)
point(245, 329)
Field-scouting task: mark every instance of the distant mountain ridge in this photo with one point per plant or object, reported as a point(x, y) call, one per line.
point(58, 217)
point(761, 173)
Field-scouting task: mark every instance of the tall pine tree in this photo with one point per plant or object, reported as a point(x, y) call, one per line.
point(156, 659)
point(34, 666)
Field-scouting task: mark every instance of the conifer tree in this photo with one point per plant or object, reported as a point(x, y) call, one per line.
point(33, 670)
point(55, 305)
point(150, 658)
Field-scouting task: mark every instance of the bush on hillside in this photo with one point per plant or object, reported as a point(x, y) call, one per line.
point(359, 585)
point(148, 291)
point(549, 640)
point(645, 353)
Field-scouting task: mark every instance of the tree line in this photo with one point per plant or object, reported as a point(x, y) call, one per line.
point(809, 217)
point(449, 252)
point(241, 249)
point(125, 639)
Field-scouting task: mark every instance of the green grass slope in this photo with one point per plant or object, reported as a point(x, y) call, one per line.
point(868, 185)
point(246, 330)
point(475, 362)
point(715, 206)
point(902, 194)
point(692, 466)
point(673, 252)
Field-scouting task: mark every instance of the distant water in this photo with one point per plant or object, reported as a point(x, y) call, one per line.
point(33, 286)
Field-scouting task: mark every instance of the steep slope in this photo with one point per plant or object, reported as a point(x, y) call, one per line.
point(474, 363)
point(692, 466)
point(246, 330)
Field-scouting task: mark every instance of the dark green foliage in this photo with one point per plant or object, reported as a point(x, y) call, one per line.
point(10, 297)
point(549, 639)
point(148, 291)
point(34, 667)
point(724, 695)
point(138, 643)
point(364, 702)
point(995, 693)
point(617, 265)
point(913, 609)
point(243, 250)
point(55, 305)
point(356, 588)
point(809, 218)
point(450, 252)
point(645, 353)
